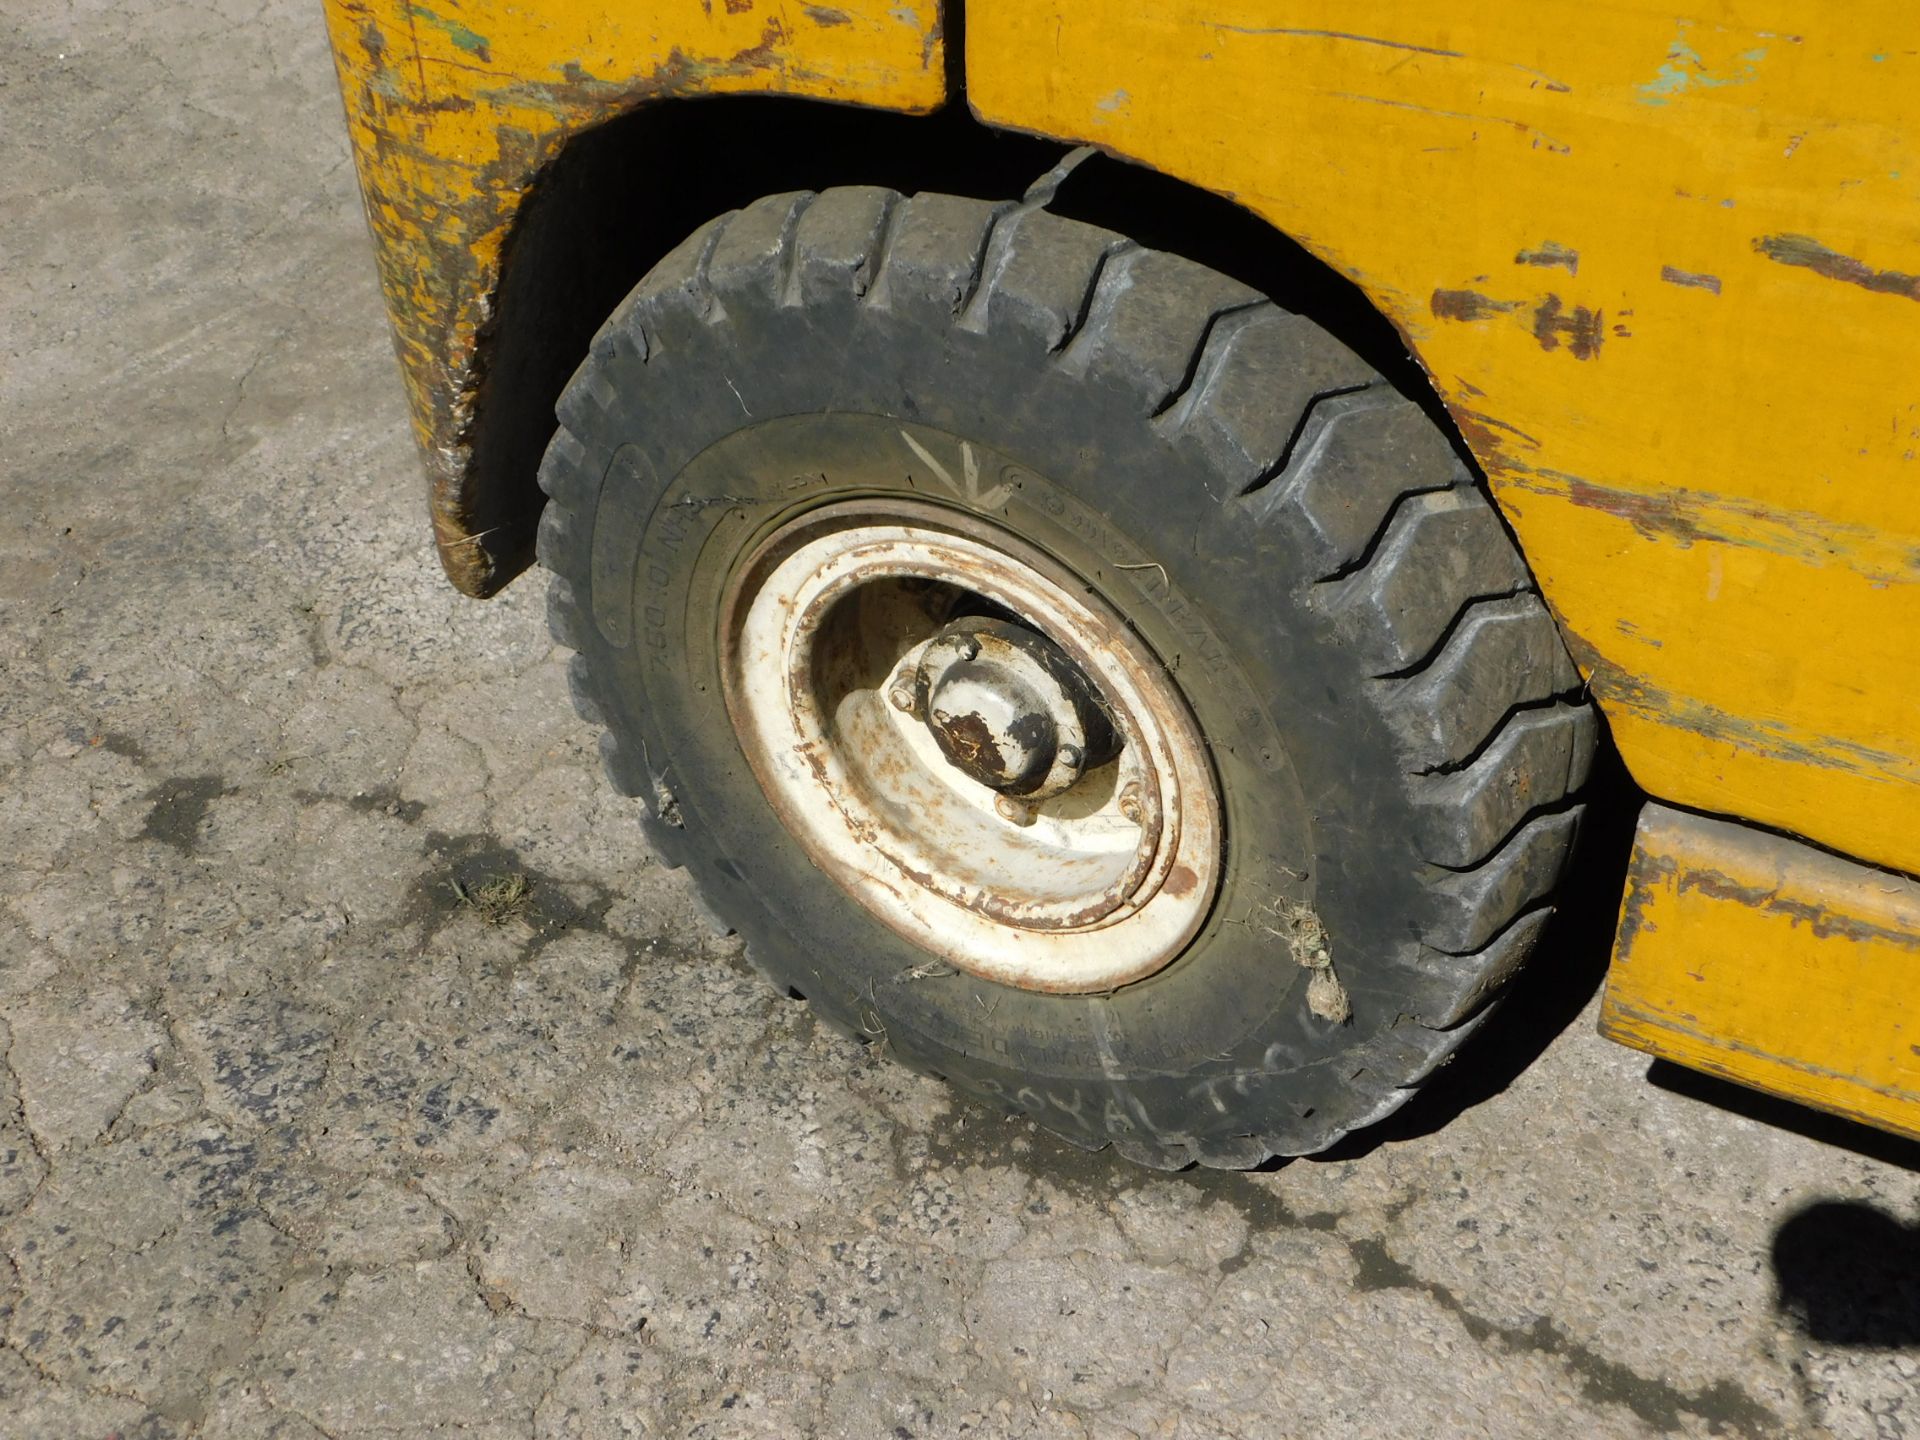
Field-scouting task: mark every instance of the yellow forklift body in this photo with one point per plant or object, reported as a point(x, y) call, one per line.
point(1749, 956)
point(455, 108)
point(1662, 265)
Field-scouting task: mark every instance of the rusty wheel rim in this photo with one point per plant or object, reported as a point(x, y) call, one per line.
point(829, 630)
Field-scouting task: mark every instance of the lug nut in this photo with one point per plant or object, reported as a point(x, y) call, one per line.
point(1130, 804)
point(1072, 756)
point(902, 698)
point(1012, 811)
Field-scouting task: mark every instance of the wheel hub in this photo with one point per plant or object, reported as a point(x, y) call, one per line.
point(972, 745)
point(1010, 710)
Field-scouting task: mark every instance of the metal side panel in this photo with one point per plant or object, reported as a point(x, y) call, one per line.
point(1663, 266)
point(1754, 957)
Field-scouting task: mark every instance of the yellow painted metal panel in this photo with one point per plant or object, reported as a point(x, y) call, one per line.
point(1773, 964)
point(454, 105)
point(1663, 265)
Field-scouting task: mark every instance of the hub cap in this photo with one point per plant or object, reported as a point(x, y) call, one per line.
point(1010, 710)
point(973, 745)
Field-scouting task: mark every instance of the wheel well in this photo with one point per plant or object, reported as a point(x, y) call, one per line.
point(619, 197)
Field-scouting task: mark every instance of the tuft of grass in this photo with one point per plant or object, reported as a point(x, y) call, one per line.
point(496, 901)
point(1306, 936)
point(1296, 923)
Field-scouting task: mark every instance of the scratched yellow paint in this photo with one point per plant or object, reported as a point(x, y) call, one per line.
point(1704, 428)
point(454, 105)
point(1771, 964)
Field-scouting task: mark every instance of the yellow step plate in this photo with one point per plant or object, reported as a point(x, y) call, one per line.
point(1755, 957)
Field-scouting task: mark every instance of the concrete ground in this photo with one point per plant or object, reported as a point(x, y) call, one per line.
point(312, 1123)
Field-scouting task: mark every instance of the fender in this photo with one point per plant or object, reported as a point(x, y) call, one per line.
point(455, 106)
point(1662, 266)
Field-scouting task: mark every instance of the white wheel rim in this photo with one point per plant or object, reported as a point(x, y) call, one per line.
point(823, 618)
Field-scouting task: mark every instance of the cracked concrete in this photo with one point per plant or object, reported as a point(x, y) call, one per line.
point(295, 1143)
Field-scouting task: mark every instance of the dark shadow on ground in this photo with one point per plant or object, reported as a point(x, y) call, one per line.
point(1849, 1274)
point(1565, 970)
point(1786, 1115)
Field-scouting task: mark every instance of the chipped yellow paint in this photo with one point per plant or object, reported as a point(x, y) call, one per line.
point(1663, 272)
point(453, 107)
point(1773, 964)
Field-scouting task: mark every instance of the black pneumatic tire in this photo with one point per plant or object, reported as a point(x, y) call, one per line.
point(1396, 726)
